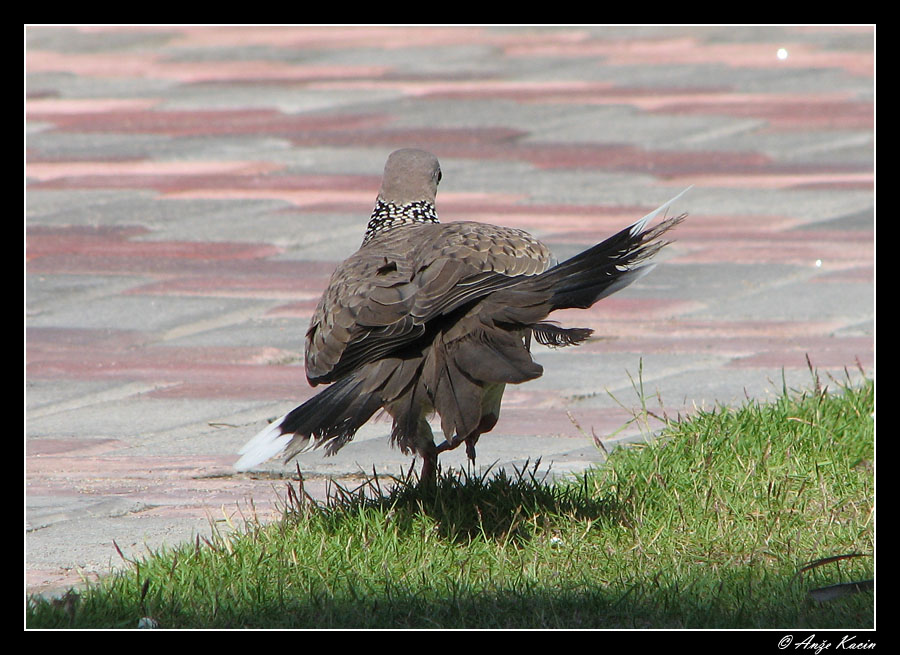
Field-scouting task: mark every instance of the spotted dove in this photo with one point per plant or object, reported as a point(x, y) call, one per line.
point(437, 318)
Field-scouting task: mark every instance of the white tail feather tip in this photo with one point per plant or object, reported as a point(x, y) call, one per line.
point(268, 443)
point(639, 225)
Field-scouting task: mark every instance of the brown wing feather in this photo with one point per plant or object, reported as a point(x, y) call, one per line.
point(381, 298)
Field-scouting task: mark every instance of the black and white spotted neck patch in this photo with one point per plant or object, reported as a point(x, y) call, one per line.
point(387, 215)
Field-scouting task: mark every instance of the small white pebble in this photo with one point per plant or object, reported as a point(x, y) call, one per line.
point(782, 53)
point(818, 263)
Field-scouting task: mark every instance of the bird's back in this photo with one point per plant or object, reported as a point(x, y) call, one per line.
point(382, 298)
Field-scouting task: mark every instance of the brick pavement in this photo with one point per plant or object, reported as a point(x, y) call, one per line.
point(190, 189)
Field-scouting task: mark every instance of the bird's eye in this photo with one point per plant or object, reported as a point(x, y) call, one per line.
point(439, 176)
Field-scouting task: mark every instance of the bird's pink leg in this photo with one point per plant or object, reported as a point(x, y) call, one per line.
point(429, 465)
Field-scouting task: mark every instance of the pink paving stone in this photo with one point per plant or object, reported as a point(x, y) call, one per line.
point(782, 111)
point(43, 241)
point(181, 487)
point(102, 355)
point(649, 98)
point(188, 482)
point(285, 387)
point(299, 310)
point(835, 248)
point(290, 37)
point(113, 243)
point(238, 71)
point(674, 164)
point(746, 230)
point(489, 143)
point(78, 263)
point(737, 226)
point(616, 308)
point(66, 353)
point(447, 141)
point(588, 223)
point(688, 50)
point(188, 372)
point(98, 469)
point(807, 114)
point(737, 347)
point(317, 198)
point(547, 422)
point(215, 122)
point(219, 286)
point(861, 274)
point(84, 447)
point(634, 158)
point(712, 329)
point(763, 180)
point(619, 157)
point(76, 338)
point(149, 65)
point(223, 381)
point(37, 107)
point(512, 206)
point(559, 227)
point(333, 206)
point(440, 89)
point(210, 372)
point(832, 255)
point(119, 64)
point(360, 199)
point(837, 185)
point(350, 37)
point(571, 423)
point(616, 157)
point(235, 261)
point(834, 357)
point(56, 578)
point(234, 172)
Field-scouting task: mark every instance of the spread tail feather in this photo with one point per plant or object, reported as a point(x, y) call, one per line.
point(596, 273)
point(332, 416)
point(268, 443)
point(554, 336)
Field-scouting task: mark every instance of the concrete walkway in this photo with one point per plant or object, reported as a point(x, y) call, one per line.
point(189, 191)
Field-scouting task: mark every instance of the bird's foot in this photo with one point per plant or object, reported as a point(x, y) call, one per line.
point(470, 449)
point(428, 476)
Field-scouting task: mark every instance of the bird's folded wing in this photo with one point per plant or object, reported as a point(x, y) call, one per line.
point(381, 298)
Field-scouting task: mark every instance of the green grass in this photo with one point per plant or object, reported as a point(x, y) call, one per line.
point(711, 525)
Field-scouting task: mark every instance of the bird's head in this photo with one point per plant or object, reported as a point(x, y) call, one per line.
point(410, 175)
